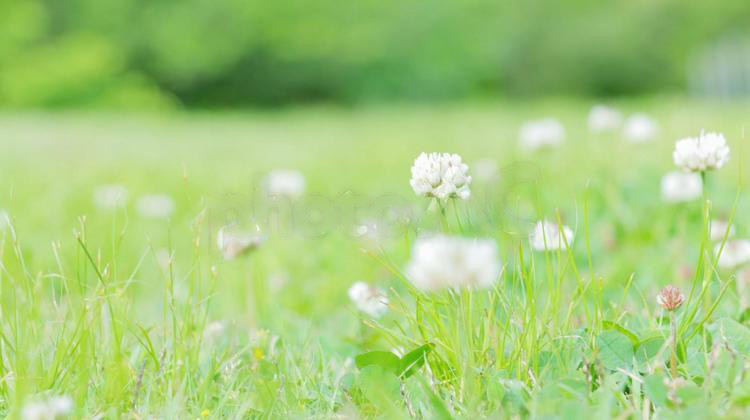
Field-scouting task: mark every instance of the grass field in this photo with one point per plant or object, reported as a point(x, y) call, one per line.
point(139, 317)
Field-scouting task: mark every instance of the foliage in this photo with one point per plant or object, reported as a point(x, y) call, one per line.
point(135, 53)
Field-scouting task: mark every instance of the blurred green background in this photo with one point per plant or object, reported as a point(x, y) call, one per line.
point(160, 54)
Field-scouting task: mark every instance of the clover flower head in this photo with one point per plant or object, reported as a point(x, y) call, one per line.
point(640, 128)
point(718, 228)
point(542, 133)
point(440, 175)
point(155, 206)
point(369, 299)
point(603, 118)
point(111, 196)
point(548, 236)
point(287, 183)
point(678, 187)
point(670, 298)
point(706, 152)
point(440, 262)
point(233, 244)
point(734, 254)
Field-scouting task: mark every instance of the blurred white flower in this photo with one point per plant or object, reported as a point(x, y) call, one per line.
point(485, 170)
point(640, 128)
point(277, 280)
point(735, 253)
point(603, 118)
point(547, 236)
point(370, 232)
point(369, 299)
point(707, 152)
point(285, 183)
point(4, 219)
point(111, 196)
point(214, 329)
point(677, 187)
point(155, 206)
point(440, 175)
point(54, 408)
point(718, 228)
point(439, 262)
point(163, 258)
point(537, 134)
point(234, 244)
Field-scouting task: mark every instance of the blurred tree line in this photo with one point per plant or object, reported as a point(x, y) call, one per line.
point(204, 53)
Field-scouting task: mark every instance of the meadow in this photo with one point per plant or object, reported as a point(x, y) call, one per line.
point(112, 306)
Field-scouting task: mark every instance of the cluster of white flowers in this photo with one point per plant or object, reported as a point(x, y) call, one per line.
point(548, 236)
point(538, 134)
point(111, 196)
point(52, 409)
point(678, 187)
point(603, 118)
point(703, 153)
point(155, 206)
point(440, 175)
point(439, 262)
point(369, 299)
point(640, 128)
point(718, 228)
point(735, 253)
point(235, 243)
point(285, 183)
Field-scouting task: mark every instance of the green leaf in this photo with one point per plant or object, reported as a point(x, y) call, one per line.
point(380, 386)
point(744, 316)
point(383, 359)
point(655, 390)
point(609, 325)
point(414, 360)
point(648, 348)
point(615, 350)
point(736, 335)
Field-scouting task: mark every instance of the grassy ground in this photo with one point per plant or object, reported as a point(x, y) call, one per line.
point(134, 318)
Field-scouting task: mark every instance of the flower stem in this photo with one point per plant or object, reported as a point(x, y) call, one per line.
point(673, 361)
point(443, 216)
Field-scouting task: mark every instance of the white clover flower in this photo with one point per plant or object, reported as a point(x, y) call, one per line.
point(485, 170)
point(538, 134)
point(704, 153)
point(440, 175)
point(547, 236)
point(678, 187)
point(112, 196)
point(640, 128)
point(155, 206)
point(718, 228)
point(369, 299)
point(735, 253)
point(439, 262)
point(285, 183)
point(52, 409)
point(603, 118)
point(234, 244)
